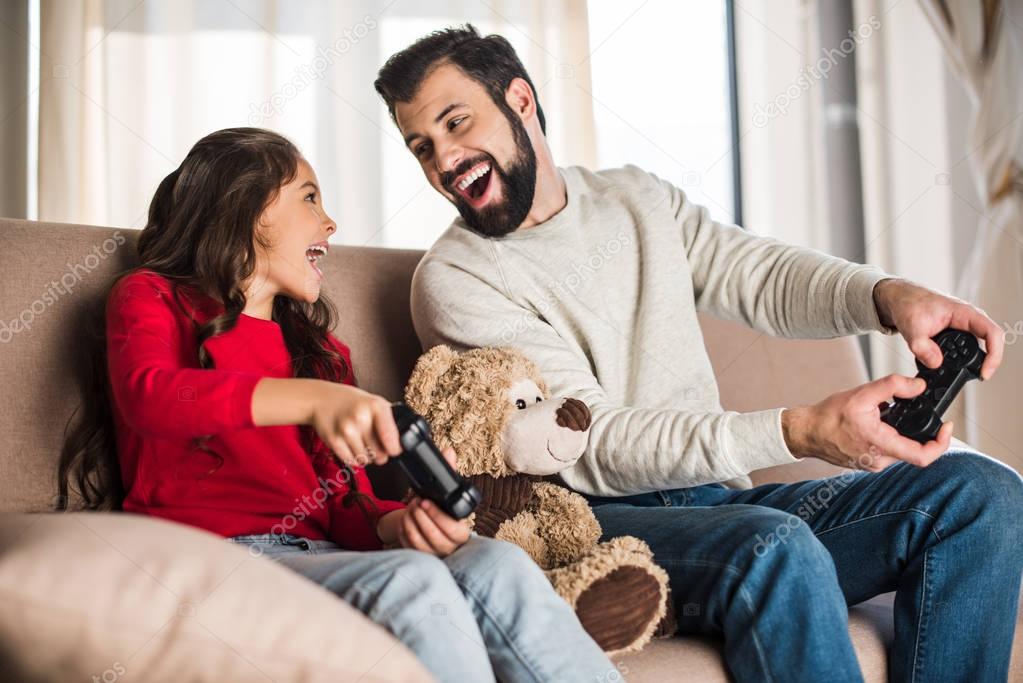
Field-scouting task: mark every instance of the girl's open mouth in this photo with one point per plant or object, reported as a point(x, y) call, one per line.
point(313, 254)
point(476, 186)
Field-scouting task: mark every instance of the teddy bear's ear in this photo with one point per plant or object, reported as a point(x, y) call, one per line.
point(430, 367)
point(526, 366)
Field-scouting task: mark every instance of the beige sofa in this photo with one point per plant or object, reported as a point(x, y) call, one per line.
point(108, 595)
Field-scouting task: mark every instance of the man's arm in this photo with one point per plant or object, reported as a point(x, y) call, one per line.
point(776, 288)
point(846, 428)
point(796, 292)
point(630, 449)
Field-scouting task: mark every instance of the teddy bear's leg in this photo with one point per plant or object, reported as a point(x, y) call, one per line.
point(668, 625)
point(618, 593)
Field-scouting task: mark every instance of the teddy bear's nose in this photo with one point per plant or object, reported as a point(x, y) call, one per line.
point(573, 414)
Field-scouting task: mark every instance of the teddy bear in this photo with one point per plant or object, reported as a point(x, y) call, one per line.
point(510, 437)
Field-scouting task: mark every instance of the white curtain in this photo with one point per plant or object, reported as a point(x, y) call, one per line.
point(984, 44)
point(127, 87)
point(783, 168)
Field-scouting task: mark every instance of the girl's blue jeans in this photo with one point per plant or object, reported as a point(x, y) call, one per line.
point(485, 609)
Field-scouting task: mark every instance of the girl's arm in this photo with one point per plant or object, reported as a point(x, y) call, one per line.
point(357, 425)
point(353, 523)
point(155, 394)
point(158, 397)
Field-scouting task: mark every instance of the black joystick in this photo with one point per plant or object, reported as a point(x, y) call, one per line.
point(919, 418)
point(429, 473)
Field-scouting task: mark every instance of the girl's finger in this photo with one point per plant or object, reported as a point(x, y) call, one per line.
point(449, 454)
point(402, 538)
point(455, 531)
point(412, 535)
point(437, 539)
point(342, 451)
point(385, 429)
point(378, 454)
point(353, 438)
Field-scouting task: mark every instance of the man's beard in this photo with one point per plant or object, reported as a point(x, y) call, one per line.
point(518, 183)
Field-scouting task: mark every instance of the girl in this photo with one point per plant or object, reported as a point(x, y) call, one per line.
point(225, 400)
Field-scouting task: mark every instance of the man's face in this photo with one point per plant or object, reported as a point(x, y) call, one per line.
point(476, 154)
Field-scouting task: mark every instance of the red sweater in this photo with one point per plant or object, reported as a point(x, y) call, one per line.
point(163, 401)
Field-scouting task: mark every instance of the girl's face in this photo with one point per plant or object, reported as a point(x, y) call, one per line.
point(293, 233)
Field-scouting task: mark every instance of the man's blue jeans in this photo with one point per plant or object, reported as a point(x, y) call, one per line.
point(773, 568)
point(487, 608)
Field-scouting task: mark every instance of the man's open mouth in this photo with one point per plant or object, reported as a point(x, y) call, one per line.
point(473, 186)
point(314, 253)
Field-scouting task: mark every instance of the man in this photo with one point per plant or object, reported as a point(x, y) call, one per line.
point(598, 278)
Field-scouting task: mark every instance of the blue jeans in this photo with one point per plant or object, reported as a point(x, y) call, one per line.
point(487, 608)
point(772, 569)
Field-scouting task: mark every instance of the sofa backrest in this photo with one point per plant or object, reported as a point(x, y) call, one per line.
point(54, 276)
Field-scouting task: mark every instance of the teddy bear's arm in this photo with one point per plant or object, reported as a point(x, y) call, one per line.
point(565, 521)
point(522, 530)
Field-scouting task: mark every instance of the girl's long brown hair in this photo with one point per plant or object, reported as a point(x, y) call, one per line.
point(201, 235)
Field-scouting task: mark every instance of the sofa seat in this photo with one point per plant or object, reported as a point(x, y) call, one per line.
point(699, 658)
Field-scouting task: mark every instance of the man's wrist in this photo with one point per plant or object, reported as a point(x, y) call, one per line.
point(882, 302)
point(795, 429)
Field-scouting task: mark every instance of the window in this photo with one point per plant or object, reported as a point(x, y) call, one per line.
point(661, 95)
point(132, 86)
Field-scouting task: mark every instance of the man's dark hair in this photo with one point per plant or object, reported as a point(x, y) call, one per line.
point(490, 60)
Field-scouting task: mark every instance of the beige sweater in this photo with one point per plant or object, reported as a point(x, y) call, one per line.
point(604, 296)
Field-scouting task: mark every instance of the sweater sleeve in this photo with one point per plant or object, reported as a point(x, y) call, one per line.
point(157, 392)
point(630, 449)
point(353, 517)
point(775, 288)
point(352, 523)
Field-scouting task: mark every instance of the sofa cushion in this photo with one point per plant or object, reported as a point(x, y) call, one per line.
point(92, 596)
